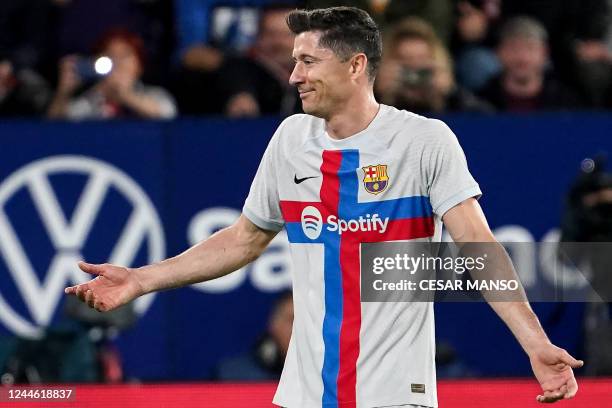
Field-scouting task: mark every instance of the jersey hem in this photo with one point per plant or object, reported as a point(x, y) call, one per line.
point(262, 222)
point(286, 404)
point(449, 203)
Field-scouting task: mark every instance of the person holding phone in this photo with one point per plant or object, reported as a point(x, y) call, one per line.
point(112, 83)
point(416, 73)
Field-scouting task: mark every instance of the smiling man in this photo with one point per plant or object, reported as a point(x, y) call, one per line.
point(332, 178)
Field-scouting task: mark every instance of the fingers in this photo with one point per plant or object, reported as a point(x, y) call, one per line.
point(572, 388)
point(89, 298)
point(86, 295)
point(91, 268)
point(571, 361)
point(67, 62)
point(80, 291)
point(77, 290)
point(98, 305)
point(566, 391)
point(550, 396)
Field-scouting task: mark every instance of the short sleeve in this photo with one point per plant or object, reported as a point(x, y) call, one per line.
point(262, 206)
point(449, 180)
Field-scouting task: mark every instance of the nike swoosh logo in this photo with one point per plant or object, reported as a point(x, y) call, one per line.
point(300, 180)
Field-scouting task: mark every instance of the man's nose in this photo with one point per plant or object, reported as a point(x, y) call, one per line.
point(297, 75)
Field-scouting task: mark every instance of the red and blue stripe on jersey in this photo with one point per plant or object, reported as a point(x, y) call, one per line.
point(409, 218)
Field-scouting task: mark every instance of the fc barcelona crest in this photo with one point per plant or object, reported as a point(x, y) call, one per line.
point(375, 178)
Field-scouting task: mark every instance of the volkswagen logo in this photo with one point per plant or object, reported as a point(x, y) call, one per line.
point(35, 190)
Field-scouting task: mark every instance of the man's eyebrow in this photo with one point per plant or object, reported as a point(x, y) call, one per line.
point(304, 56)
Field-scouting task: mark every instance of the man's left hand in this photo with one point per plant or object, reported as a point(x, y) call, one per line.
point(552, 367)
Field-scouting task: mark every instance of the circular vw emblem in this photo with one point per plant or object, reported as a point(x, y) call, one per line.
point(41, 290)
point(312, 222)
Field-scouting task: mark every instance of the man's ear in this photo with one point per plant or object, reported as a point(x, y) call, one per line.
point(358, 66)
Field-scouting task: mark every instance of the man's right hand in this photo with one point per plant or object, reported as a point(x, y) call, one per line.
point(113, 286)
point(69, 79)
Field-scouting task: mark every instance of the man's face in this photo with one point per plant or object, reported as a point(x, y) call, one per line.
point(323, 81)
point(414, 53)
point(275, 40)
point(125, 60)
point(417, 68)
point(523, 57)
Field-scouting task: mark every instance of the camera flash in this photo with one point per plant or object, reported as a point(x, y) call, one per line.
point(103, 65)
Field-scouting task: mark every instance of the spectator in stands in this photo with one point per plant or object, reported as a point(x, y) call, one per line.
point(120, 93)
point(526, 84)
point(208, 32)
point(80, 23)
point(24, 25)
point(438, 13)
point(576, 31)
point(23, 92)
point(265, 361)
point(416, 73)
point(23, 50)
point(259, 84)
point(474, 41)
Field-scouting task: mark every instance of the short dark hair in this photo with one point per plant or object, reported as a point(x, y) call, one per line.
point(345, 30)
point(132, 39)
point(523, 27)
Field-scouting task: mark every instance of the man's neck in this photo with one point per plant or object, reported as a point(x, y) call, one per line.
point(355, 116)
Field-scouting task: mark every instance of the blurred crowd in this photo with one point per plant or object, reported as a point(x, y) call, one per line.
point(86, 59)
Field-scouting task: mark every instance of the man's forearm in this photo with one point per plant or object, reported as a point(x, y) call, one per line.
point(511, 306)
point(224, 252)
point(469, 229)
point(523, 322)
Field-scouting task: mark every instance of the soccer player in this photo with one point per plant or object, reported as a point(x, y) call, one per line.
point(348, 171)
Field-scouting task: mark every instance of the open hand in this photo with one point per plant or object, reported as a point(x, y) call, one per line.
point(113, 286)
point(552, 367)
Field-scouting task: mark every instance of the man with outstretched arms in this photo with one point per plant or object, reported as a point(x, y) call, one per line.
point(348, 171)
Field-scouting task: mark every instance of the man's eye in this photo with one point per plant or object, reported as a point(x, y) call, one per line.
point(308, 62)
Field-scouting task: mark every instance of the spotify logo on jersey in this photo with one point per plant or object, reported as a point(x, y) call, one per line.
point(312, 222)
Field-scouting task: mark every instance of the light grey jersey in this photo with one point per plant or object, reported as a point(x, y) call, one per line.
point(392, 181)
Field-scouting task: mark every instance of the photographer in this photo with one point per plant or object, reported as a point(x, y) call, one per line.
point(264, 362)
point(416, 73)
point(588, 219)
point(114, 83)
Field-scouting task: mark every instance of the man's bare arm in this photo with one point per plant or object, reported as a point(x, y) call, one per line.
point(225, 251)
point(551, 365)
point(222, 253)
point(466, 223)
